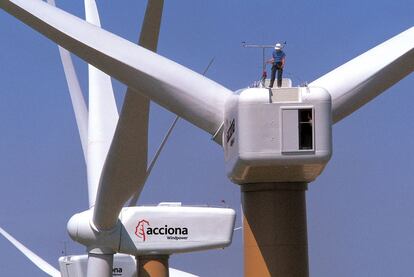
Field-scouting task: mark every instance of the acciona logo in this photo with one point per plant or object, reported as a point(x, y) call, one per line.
point(144, 231)
point(140, 230)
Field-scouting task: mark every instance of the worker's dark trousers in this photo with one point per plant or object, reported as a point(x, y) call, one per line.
point(276, 67)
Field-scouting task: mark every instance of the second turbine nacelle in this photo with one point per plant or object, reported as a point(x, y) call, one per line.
point(162, 229)
point(277, 135)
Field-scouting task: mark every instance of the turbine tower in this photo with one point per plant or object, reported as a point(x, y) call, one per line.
point(275, 141)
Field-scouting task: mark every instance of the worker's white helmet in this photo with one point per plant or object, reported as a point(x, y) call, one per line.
point(278, 46)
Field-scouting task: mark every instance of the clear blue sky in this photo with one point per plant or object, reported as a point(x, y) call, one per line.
point(360, 210)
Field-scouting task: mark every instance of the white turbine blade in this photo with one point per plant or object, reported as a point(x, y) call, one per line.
point(178, 273)
point(125, 170)
point(103, 115)
point(76, 96)
point(149, 39)
point(91, 13)
point(151, 26)
point(360, 80)
point(39, 262)
point(134, 198)
point(100, 265)
point(180, 90)
point(125, 166)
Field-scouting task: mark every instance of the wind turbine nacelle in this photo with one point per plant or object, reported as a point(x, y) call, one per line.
point(277, 135)
point(162, 229)
point(124, 266)
point(76, 266)
point(173, 229)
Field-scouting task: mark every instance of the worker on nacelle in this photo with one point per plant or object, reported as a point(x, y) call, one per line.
point(278, 62)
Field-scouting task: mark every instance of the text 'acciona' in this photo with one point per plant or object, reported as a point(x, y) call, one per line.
point(167, 230)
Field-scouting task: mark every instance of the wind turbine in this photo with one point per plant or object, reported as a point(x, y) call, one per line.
point(115, 151)
point(370, 82)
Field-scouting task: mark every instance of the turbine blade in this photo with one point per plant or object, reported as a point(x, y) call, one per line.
point(100, 265)
point(362, 79)
point(91, 13)
point(149, 39)
point(134, 198)
point(103, 115)
point(103, 118)
point(35, 259)
point(180, 90)
point(76, 95)
point(125, 167)
point(178, 273)
point(125, 170)
point(151, 26)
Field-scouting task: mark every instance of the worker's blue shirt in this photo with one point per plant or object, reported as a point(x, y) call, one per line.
point(278, 56)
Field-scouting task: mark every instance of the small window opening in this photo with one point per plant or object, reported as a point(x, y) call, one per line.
point(305, 129)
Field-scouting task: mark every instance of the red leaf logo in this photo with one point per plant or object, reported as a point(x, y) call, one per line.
point(140, 229)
